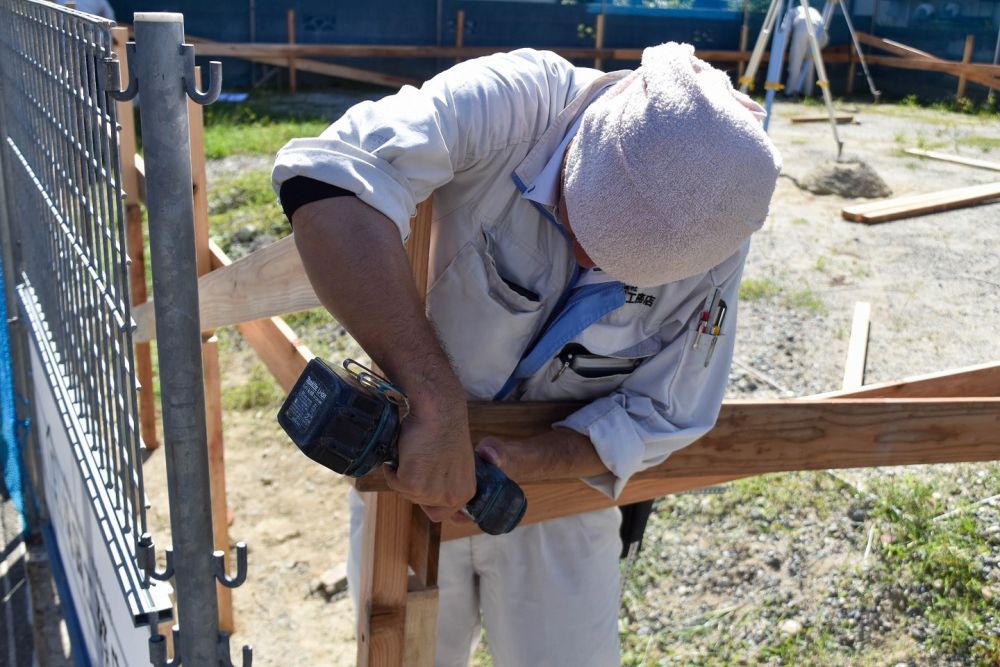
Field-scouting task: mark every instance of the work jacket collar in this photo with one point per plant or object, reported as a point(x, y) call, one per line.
point(539, 155)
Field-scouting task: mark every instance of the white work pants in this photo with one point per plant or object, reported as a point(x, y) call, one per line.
point(547, 593)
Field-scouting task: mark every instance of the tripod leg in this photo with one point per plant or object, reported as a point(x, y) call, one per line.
point(746, 81)
point(773, 81)
point(857, 47)
point(822, 81)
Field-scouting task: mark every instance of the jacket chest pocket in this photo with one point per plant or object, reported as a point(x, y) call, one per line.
point(483, 320)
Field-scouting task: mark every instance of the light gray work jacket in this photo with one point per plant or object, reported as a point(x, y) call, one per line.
point(475, 137)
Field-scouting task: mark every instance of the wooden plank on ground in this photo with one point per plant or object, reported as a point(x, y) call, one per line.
point(857, 347)
point(915, 205)
point(957, 159)
point(841, 118)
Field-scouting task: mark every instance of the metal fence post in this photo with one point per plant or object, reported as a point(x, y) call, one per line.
point(161, 64)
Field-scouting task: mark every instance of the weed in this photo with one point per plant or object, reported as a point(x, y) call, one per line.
point(985, 144)
point(807, 300)
point(822, 263)
point(258, 391)
point(800, 221)
point(936, 566)
point(752, 289)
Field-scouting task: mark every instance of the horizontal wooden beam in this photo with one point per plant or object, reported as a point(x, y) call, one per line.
point(258, 50)
point(910, 206)
point(755, 437)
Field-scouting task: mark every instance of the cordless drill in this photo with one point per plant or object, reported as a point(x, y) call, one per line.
point(348, 419)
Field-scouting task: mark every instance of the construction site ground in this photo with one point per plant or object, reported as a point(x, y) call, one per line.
point(829, 568)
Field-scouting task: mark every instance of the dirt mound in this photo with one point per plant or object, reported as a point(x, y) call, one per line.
point(847, 179)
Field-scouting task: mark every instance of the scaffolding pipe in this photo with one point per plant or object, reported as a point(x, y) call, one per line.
point(160, 68)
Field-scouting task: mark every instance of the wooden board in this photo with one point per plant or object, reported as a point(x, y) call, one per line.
point(282, 351)
point(922, 204)
point(841, 118)
point(383, 594)
point(971, 381)
point(265, 283)
point(421, 627)
point(857, 347)
point(756, 437)
point(893, 47)
point(957, 159)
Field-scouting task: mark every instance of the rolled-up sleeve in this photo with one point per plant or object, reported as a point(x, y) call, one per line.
point(667, 403)
point(394, 152)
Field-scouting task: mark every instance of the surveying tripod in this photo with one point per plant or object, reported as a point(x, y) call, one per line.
point(780, 30)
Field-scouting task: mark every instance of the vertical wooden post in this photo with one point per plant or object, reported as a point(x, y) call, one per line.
point(210, 360)
point(293, 79)
point(134, 246)
point(852, 69)
point(459, 32)
point(970, 43)
point(744, 39)
point(599, 40)
point(397, 621)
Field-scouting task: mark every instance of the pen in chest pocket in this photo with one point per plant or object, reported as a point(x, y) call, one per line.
point(716, 330)
point(703, 319)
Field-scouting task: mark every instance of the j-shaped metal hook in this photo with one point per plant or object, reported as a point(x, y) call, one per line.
point(112, 76)
point(224, 656)
point(146, 555)
point(191, 84)
point(219, 566)
point(158, 643)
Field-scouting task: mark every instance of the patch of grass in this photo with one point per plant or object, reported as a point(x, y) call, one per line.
point(800, 221)
point(248, 129)
point(822, 263)
point(244, 207)
point(752, 289)
point(984, 143)
point(259, 390)
point(936, 566)
point(807, 300)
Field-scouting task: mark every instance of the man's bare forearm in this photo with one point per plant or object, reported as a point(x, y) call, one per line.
point(359, 270)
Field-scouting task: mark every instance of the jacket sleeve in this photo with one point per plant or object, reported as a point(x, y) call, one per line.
point(670, 400)
point(394, 152)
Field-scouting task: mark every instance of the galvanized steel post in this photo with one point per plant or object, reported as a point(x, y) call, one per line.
point(161, 70)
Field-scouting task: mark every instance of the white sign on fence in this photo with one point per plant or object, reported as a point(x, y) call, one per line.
point(106, 603)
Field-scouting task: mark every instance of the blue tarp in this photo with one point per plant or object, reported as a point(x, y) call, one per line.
point(10, 447)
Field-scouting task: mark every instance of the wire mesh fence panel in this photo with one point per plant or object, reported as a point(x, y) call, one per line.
point(60, 143)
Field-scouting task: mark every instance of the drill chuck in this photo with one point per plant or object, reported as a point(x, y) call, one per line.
point(349, 421)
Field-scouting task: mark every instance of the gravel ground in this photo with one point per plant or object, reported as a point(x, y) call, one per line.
point(783, 569)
